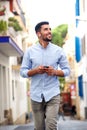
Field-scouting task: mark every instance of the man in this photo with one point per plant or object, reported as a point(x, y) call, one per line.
point(40, 62)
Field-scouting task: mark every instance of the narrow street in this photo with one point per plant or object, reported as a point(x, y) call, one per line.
point(68, 22)
point(67, 124)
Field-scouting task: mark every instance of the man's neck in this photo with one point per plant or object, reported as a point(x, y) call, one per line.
point(43, 44)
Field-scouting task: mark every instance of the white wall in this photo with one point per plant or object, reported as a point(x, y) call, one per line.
point(4, 85)
point(11, 85)
point(18, 91)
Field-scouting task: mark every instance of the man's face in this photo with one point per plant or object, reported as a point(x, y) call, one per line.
point(45, 33)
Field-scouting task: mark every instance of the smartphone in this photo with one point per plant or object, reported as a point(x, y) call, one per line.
point(46, 66)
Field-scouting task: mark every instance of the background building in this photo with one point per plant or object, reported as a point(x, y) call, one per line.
point(13, 88)
point(81, 57)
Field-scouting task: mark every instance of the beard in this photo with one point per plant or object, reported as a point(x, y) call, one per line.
point(47, 39)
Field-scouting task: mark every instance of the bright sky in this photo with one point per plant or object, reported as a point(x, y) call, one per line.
point(54, 11)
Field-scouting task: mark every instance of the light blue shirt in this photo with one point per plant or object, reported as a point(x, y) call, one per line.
point(36, 55)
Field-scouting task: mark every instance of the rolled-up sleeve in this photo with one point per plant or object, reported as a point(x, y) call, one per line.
point(64, 64)
point(26, 65)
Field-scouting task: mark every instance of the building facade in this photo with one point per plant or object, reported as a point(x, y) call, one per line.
point(81, 57)
point(13, 88)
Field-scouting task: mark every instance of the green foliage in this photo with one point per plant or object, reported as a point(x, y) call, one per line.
point(59, 34)
point(62, 83)
point(3, 26)
point(14, 23)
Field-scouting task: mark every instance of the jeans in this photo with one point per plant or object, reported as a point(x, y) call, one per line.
point(45, 113)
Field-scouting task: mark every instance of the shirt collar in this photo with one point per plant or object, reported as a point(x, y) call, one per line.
point(42, 46)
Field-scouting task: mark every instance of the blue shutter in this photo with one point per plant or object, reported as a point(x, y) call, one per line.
point(78, 49)
point(80, 85)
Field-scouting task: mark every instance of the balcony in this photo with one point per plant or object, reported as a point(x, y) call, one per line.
point(9, 47)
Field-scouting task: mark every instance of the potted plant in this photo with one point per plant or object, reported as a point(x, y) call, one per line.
point(12, 22)
point(3, 27)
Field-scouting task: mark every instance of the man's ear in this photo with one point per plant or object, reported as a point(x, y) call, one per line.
point(38, 34)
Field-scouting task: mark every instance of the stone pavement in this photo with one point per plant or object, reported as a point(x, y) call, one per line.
point(66, 124)
point(29, 126)
point(72, 125)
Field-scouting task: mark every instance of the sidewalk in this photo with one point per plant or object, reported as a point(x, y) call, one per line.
point(72, 125)
point(67, 124)
point(29, 126)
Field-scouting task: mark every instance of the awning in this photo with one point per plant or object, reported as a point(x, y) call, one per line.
point(9, 47)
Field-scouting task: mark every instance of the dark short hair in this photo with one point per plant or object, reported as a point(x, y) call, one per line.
point(38, 26)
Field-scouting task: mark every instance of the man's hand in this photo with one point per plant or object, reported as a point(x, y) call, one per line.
point(45, 69)
point(50, 70)
point(40, 70)
point(37, 70)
